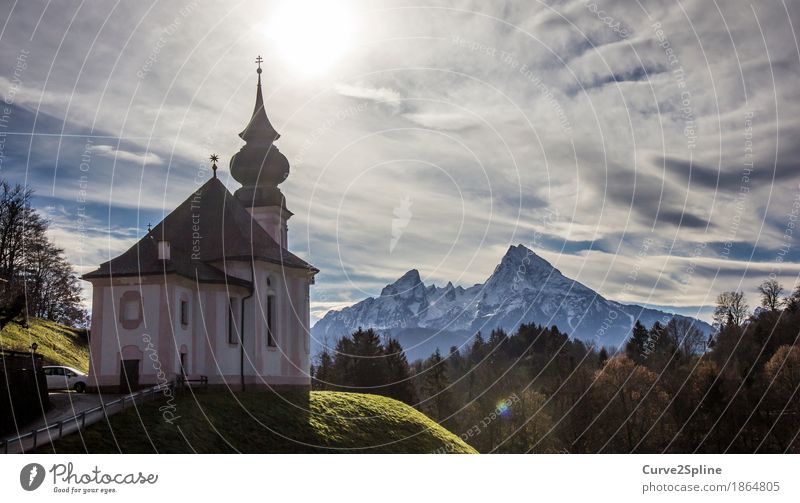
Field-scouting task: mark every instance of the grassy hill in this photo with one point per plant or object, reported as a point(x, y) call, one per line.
point(260, 422)
point(60, 345)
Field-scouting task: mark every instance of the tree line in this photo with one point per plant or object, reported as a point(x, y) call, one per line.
point(672, 388)
point(36, 280)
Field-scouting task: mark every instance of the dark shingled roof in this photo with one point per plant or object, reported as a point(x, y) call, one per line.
point(226, 230)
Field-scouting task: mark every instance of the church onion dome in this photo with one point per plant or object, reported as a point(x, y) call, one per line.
point(259, 166)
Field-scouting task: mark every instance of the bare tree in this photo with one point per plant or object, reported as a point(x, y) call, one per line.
point(732, 309)
point(37, 280)
point(14, 209)
point(792, 302)
point(771, 292)
point(686, 338)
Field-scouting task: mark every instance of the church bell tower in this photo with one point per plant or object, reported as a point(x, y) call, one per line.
point(260, 168)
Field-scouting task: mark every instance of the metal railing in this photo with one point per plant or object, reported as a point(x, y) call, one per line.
point(183, 380)
point(52, 432)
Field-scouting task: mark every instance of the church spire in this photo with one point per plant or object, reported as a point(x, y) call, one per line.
point(259, 166)
point(259, 129)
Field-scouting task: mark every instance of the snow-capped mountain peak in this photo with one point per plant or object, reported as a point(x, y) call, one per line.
point(405, 286)
point(523, 288)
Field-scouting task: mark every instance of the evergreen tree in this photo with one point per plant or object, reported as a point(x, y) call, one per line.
point(478, 349)
point(603, 356)
point(635, 348)
point(366, 366)
point(398, 374)
point(435, 387)
point(322, 373)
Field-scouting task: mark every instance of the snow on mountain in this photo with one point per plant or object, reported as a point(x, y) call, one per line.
point(524, 288)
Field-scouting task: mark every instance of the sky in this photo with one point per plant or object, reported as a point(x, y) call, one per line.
point(647, 149)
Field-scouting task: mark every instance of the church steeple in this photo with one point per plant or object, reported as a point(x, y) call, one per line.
point(259, 128)
point(260, 167)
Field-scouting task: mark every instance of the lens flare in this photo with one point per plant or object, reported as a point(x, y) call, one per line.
point(503, 410)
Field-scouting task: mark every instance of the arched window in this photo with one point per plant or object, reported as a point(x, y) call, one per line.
point(271, 342)
point(130, 309)
point(270, 312)
point(184, 312)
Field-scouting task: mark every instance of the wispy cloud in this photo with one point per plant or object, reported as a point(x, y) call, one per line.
point(385, 95)
point(124, 155)
point(443, 121)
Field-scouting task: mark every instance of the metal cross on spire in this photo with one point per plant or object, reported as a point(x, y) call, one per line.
point(214, 158)
point(259, 60)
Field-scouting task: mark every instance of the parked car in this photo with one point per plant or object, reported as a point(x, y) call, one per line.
point(60, 378)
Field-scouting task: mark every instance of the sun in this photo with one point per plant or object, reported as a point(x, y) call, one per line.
point(311, 35)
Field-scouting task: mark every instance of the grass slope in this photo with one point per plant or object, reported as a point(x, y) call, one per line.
point(260, 422)
point(59, 344)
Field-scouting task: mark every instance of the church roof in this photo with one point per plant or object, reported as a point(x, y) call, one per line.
point(209, 226)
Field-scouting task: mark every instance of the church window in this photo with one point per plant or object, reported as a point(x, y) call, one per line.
point(130, 309)
point(232, 336)
point(271, 321)
point(184, 312)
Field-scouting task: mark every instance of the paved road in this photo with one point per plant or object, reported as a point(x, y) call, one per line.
point(64, 405)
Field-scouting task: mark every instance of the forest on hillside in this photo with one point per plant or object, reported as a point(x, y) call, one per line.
point(671, 389)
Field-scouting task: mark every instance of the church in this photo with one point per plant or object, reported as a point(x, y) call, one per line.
point(211, 292)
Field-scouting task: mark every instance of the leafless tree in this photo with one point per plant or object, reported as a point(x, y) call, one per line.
point(731, 308)
point(792, 302)
point(37, 280)
point(771, 292)
point(687, 338)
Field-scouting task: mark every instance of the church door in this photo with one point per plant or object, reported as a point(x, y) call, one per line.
point(129, 377)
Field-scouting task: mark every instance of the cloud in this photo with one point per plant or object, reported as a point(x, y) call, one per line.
point(378, 94)
point(124, 155)
point(682, 218)
point(443, 121)
point(505, 77)
point(319, 309)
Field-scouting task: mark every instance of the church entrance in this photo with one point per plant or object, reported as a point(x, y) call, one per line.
point(129, 376)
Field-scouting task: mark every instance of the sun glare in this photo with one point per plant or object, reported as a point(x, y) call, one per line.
point(311, 34)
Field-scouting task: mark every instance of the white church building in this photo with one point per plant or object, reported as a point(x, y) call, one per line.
point(212, 290)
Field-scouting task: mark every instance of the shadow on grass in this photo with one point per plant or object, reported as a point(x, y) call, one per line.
point(264, 422)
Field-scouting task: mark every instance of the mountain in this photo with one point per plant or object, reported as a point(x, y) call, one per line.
point(524, 288)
